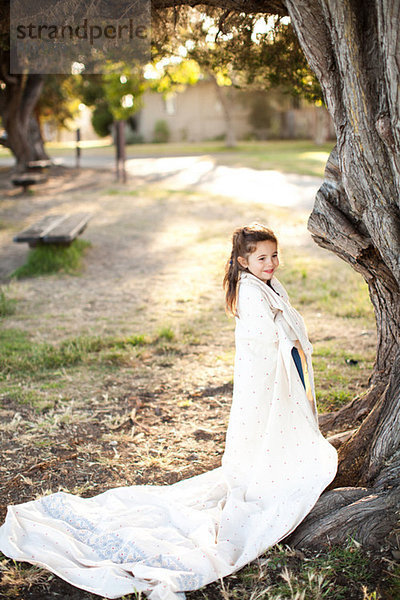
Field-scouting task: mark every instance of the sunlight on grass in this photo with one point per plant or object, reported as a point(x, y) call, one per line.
point(165, 334)
point(285, 573)
point(320, 157)
point(16, 575)
point(99, 143)
point(20, 355)
point(338, 375)
point(328, 284)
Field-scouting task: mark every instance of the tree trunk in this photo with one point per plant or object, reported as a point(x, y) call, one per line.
point(352, 48)
point(17, 103)
point(230, 138)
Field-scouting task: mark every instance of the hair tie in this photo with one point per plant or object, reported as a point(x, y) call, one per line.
point(231, 262)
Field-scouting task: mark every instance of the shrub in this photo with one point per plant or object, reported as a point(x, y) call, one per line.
point(102, 119)
point(161, 132)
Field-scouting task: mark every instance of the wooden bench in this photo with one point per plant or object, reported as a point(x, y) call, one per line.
point(25, 180)
point(38, 166)
point(54, 229)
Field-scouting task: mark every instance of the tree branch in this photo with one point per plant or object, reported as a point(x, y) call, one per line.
point(273, 7)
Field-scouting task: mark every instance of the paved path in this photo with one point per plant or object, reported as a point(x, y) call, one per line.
point(203, 174)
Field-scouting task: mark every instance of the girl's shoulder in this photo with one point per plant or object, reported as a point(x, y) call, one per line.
point(249, 280)
point(274, 295)
point(254, 292)
point(250, 283)
point(279, 288)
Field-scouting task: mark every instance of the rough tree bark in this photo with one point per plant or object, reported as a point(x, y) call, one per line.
point(354, 48)
point(18, 98)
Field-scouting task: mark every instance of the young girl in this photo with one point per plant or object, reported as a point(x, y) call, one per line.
point(273, 368)
point(164, 540)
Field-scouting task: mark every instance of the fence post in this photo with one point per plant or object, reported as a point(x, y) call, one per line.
point(120, 150)
point(78, 148)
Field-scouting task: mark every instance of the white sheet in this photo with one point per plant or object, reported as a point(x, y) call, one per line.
point(165, 540)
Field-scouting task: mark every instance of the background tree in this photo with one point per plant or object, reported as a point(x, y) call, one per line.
point(89, 88)
point(242, 51)
point(19, 95)
point(353, 48)
point(112, 96)
point(58, 103)
point(215, 62)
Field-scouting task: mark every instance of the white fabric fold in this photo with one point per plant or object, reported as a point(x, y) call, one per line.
point(165, 540)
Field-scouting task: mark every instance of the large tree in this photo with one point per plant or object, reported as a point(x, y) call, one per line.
point(19, 96)
point(354, 49)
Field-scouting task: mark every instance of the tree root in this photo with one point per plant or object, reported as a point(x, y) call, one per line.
point(366, 515)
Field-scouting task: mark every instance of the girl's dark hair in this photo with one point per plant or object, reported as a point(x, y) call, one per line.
point(244, 241)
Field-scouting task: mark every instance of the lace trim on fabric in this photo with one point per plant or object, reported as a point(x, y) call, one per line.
point(110, 546)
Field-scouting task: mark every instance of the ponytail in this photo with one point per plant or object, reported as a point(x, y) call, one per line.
point(244, 241)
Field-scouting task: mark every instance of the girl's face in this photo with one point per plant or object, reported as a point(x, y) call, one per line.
point(263, 262)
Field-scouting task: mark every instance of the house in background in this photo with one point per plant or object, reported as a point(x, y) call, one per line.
point(197, 114)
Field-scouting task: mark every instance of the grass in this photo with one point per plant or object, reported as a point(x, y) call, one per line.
point(20, 574)
point(166, 334)
point(301, 157)
point(52, 258)
point(7, 304)
point(339, 573)
point(21, 356)
point(282, 573)
point(337, 374)
point(331, 288)
point(327, 285)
